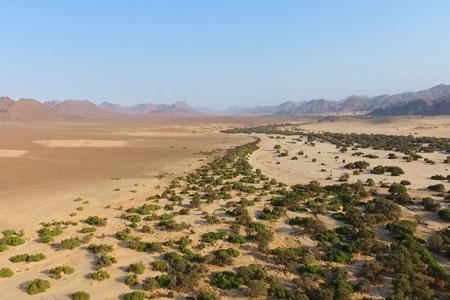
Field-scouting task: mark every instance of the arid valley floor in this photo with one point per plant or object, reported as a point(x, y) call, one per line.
point(184, 208)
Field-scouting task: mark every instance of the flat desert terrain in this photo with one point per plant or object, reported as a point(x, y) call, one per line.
point(197, 208)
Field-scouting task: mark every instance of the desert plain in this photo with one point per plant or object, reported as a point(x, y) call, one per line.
point(58, 174)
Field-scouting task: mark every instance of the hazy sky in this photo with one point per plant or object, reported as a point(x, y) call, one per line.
point(221, 53)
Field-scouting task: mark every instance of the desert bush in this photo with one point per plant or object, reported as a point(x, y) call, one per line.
point(6, 273)
point(123, 235)
point(207, 295)
point(226, 280)
point(46, 234)
point(160, 281)
point(100, 248)
point(95, 221)
point(137, 268)
point(310, 225)
point(287, 256)
point(133, 218)
point(212, 237)
point(251, 273)
point(56, 273)
point(100, 275)
point(137, 295)
point(27, 258)
point(36, 286)
point(106, 261)
point(145, 209)
point(160, 265)
point(80, 296)
point(222, 257)
point(88, 230)
point(131, 280)
point(236, 239)
point(339, 256)
point(70, 244)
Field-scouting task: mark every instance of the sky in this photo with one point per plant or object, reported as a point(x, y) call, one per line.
point(219, 54)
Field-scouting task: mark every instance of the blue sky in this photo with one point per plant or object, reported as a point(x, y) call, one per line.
point(221, 53)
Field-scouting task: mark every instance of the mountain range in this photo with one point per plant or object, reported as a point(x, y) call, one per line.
point(32, 110)
point(433, 101)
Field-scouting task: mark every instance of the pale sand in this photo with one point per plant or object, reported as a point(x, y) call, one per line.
point(80, 143)
point(87, 173)
point(11, 153)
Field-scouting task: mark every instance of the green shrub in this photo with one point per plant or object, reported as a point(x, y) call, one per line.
point(11, 238)
point(160, 281)
point(46, 234)
point(27, 258)
point(88, 229)
point(100, 275)
point(80, 296)
point(100, 248)
point(160, 265)
point(56, 273)
point(70, 244)
point(137, 268)
point(145, 209)
point(207, 295)
point(131, 280)
point(36, 286)
point(251, 273)
point(138, 295)
point(339, 256)
point(134, 218)
point(6, 273)
point(226, 280)
point(106, 261)
point(236, 239)
point(95, 221)
point(123, 236)
point(212, 237)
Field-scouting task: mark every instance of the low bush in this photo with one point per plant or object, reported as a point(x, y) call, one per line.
point(27, 258)
point(100, 275)
point(70, 244)
point(226, 280)
point(47, 234)
point(137, 268)
point(6, 273)
point(138, 295)
point(212, 237)
point(106, 261)
point(207, 295)
point(80, 296)
point(36, 286)
point(160, 265)
point(95, 221)
point(100, 248)
point(56, 273)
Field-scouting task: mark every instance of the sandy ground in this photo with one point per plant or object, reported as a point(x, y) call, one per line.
point(50, 183)
point(420, 126)
point(80, 143)
point(305, 170)
point(80, 165)
point(11, 153)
